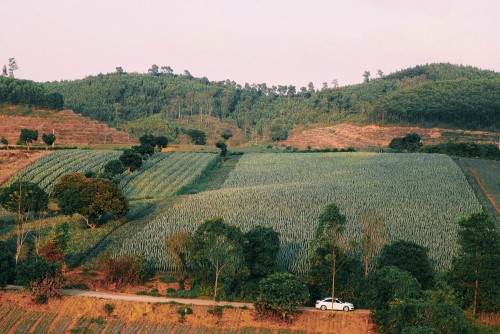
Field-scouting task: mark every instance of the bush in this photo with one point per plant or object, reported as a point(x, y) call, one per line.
point(122, 271)
point(282, 293)
point(34, 269)
point(49, 287)
point(7, 264)
point(216, 311)
point(183, 311)
point(109, 308)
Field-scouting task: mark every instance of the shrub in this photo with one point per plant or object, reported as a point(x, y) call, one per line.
point(34, 269)
point(7, 264)
point(109, 308)
point(183, 311)
point(282, 293)
point(49, 287)
point(121, 271)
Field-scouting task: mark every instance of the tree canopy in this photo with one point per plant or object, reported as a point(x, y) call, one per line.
point(26, 196)
point(91, 198)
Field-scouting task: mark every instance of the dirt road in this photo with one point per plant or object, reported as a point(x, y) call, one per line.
point(151, 299)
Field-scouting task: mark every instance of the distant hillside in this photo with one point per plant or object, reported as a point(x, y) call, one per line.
point(118, 98)
point(68, 127)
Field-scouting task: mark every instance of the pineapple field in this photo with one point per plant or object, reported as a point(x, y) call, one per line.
point(420, 196)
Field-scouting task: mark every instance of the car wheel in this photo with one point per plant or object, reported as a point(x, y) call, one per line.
point(346, 308)
point(323, 308)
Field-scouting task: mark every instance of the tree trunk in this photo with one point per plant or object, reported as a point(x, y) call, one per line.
point(333, 276)
point(216, 282)
point(366, 265)
point(474, 302)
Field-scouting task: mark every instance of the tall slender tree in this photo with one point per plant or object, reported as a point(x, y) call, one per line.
point(325, 244)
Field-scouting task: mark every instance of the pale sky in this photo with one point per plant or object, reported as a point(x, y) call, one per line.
point(273, 41)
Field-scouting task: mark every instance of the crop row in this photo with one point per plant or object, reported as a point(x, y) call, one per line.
point(421, 198)
point(160, 176)
point(170, 172)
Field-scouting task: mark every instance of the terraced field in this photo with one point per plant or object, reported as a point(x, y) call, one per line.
point(421, 197)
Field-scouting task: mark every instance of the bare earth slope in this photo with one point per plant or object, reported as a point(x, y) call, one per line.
point(358, 136)
point(69, 128)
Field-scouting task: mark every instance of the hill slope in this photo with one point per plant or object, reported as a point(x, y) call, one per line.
point(117, 98)
point(69, 128)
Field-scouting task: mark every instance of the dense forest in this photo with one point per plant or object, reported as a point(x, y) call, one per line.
point(429, 95)
point(27, 92)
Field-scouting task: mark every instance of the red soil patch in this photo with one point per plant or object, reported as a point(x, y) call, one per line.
point(232, 318)
point(358, 136)
point(12, 161)
point(69, 128)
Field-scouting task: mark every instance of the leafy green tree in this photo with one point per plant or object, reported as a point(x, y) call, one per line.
point(324, 248)
point(28, 136)
point(34, 269)
point(12, 67)
point(226, 134)
point(411, 142)
point(408, 256)
point(217, 253)
point(261, 251)
point(222, 146)
point(154, 70)
point(161, 142)
point(389, 286)
point(91, 198)
point(49, 138)
point(7, 264)
point(178, 245)
point(131, 160)
point(198, 137)
point(366, 76)
point(475, 271)
point(4, 141)
point(23, 198)
point(282, 293)
point(113, 168)
point(4, 70)
point(278, 132)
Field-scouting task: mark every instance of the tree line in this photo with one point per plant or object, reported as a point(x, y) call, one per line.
point(26, 92)
point(447, 95)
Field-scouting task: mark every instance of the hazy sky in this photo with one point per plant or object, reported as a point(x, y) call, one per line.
point(272, 41)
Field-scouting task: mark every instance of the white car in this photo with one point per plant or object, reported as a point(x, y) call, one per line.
point(326, 304)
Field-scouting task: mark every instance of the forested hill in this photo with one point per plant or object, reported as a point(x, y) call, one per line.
point(429, 95)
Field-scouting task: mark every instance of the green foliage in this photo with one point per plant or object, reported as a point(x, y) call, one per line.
point(409, 143)
point(28, 136)
point(278, 132)
point(161, 142)
point(4, 141)
point(198, 137)
point(217, 254)
point(282, 293)
point(467, 149)
point(109, 308)
point(222, 146)
point(183, 311)
point(49, 138)
point(410, 257)
point(28, 92)
point(261, 251)
point(226, 134)
point(390, 285)
point(131, 159)
point(34, 269)
point(113, 168)
point(26, 196)
point(468, 104)
point(475, 269)
point(91, 198)
point(7, 264)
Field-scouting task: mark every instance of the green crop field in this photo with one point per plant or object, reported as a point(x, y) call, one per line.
point(160, 176)
point(489, 173)
point(421, 196)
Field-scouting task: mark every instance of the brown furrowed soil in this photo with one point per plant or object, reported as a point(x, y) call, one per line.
point(359, 136)
point(135, 314)
point(12, 161)
point(68, 127)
